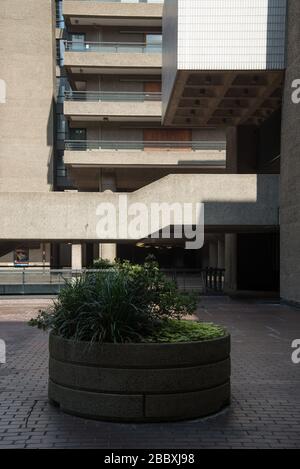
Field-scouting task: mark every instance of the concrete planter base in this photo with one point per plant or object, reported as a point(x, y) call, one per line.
point(140, 382)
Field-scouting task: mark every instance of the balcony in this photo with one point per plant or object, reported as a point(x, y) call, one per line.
point(112, 57)
point(146, 154)
point(112, 106)
point(113, 12)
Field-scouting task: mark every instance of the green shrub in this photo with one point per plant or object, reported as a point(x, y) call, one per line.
point(127, 303)
point(102, 264)
point(186, 331)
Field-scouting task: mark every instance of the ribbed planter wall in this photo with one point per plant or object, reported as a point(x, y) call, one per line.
point(140, 382)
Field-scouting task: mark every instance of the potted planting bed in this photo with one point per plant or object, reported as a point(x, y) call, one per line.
point(121, 348)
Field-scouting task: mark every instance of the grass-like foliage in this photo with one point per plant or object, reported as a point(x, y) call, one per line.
point(121, 303)
point(173, 330)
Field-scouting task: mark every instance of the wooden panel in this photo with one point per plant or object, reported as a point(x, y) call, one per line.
point(168, 135)
point(152, 87)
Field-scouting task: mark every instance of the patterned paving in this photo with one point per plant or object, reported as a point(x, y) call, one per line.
point(265, 410)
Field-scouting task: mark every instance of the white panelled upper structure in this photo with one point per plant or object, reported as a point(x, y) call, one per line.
point(231, 34)
point(220, 36)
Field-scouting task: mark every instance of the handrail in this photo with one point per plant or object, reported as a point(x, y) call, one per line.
point(115, 47)
point(112, 96)
point(207, 280)
point(120, 1)
point(85, 145)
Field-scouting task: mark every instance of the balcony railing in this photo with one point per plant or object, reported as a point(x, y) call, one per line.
point(51, 281)
point(121, 1)
point(115, 96)
point(113, 47)
point(89, 145)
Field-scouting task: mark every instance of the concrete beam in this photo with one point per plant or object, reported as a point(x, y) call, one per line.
point(230, 200)
point(148, 158)
point(125, 12)
point(145, 111)
point(113, 61)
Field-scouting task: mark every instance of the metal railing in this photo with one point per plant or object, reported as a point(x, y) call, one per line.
point(25, 280)
point(120, 1)
point(214, 279)
point(113, 47)
point(203, 280)
point(89, 145)
point(115, 96)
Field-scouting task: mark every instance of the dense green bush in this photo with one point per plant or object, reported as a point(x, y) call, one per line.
point(127, 303)
point(102, 264)
point(186, 331)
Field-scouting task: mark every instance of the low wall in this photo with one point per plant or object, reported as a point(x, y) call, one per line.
point(140, 382)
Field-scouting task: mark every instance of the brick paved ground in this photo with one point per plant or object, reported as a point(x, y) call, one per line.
point(265, 410)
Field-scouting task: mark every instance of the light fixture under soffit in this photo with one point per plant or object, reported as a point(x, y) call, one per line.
point(140, 245)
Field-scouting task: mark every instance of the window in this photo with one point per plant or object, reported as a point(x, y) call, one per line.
point(77, 134)
point(78, 41)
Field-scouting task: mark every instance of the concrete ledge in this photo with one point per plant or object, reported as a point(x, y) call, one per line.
point(95, 9)
point(187, 405)
point(140, 355)
point(126, 380)
point(96, 405)
point(137, 408)
point(146, 158)
point(231, 200)
point(114, 60)
point(140, 382)
point(142, 110)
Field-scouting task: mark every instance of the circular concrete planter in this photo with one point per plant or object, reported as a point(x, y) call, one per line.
point(140, 382)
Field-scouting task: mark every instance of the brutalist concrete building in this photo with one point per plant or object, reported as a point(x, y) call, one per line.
point(176, 101)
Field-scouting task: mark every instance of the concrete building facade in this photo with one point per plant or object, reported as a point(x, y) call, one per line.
point(175, 101)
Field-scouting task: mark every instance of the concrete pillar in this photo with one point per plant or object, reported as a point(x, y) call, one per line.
point(107, 182)
point(290, 163)
point(108, 251)
point(213, 254)
point(231, 150)
point(221, 254)
point(230, 263)
point(76, 257)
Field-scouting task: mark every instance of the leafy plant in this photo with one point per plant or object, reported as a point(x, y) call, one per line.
point(103, 264)
point(186, 331)
point(126, 303)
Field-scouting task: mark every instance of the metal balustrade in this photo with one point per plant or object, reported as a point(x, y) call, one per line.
point(115, 96)
point(113, 47)
point(89, 145)
point(27, 280)
point(214, 279)
point(120, 1)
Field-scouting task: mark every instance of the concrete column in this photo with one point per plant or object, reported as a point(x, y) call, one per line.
point(108, 251)
point(213, 254)
point(221, 254)
point(107, 182)
point(76, 257)
point(231, 150)
point(290, 165)
point(230, 263)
